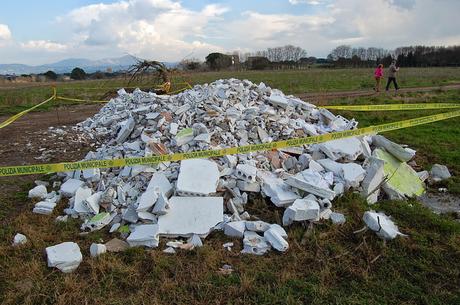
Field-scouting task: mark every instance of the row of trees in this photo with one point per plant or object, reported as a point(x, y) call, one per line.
point(412, 56)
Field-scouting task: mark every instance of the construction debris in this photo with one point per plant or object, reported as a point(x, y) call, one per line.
point(438, 173)
point(190, 199)
point(19, 239)
point(381, 224)
point(65, 256)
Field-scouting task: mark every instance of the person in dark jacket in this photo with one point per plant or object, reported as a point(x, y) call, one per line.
point(392, 70)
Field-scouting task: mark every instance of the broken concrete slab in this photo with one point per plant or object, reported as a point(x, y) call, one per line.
point(97, 249)
point(70, 187)
point(191, 215)
point(65, 256)
point(257, 226)
point(279, 192)
point(394, 149)
point(235, 229)
point(125, 130)
point(144, 235)
point(402, 181)
point(246, 172)
point(147, 200)
point(197, 177)
point(81, 195)
point(314, 185)
point(373, 180)
point(159, 180)
point(353, 174)
point(349, 149)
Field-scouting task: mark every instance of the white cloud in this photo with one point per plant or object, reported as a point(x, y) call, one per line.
point(43, 45)
point(159, 29)
point(5, 33)
point(311, 2)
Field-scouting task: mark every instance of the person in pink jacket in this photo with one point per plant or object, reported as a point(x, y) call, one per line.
point(378, 75)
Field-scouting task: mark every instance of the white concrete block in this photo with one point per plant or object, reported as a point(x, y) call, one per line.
point(65, 256)
point(235, 229)
point(19, 239)
point(97, 249)
point(92, 202)
point(144, 235)
point(353, 174)
point(161, 205)
point(81, 195)
point(147, 200)
point(191, 215)
point(197, 177)
point(70, 187)
point(300, 210)
point(246, 172)
point(348, 148)
point(257, 226)
point(274, 238)
point(255, 244)
point(38, 192)
point(381, 224)
point(160, 181)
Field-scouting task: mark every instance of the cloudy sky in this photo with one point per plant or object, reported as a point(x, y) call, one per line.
point(37, 32)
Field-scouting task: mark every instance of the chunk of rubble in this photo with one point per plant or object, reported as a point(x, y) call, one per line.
point(126, 130)
point(97, 249)
point(191, 215)
point(19, 239)
point(439, 172)
point(373, 180)
point(353, 174)
point(144, 235)
point(116, 245)
point(300, 210)
point(313, 183)
point(184, 136)
point(235, 229)
point(394, 149)
point(195, 241)
point(274, 238)
point(65, 256)
point(349, 149)
point(197, 177)
point(257, 226)
point(402, 182)
point(278, 191)
point(246, 172)
point(159, 180)
point(70, 187)
point(381, 224)
point(337, 218)
point(38, 192)
point(255, 244)
point(44, 207)
point(97, 222)
point(147, 200)
point(81, 195)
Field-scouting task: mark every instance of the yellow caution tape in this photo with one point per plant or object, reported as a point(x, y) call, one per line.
point(20, 114)
point(394, 107)
point(70, 166)
point(78, 100)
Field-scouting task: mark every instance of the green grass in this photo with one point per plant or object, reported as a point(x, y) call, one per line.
point(329, 265)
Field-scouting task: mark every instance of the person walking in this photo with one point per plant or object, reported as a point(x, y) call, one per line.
point(392, 70)
point(378, 75)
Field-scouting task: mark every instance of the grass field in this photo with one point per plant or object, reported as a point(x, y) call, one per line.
point(13, 100)
point(327, 265)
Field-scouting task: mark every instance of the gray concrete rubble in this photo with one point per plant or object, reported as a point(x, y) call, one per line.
point(19, 239)
point(97, 249)
point(65, 256)
point(381, 224)
point(189, 199)
point(438, 173)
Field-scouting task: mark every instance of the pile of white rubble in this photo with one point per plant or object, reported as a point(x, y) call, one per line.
point(190, 199)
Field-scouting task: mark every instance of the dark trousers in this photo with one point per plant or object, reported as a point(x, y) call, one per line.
point(392, 79)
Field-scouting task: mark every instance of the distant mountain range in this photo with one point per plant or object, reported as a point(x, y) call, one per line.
point(66, 65)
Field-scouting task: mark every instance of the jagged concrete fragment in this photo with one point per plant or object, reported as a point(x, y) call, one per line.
point(70, 187)
point(279, 192)
point(44, 207)
point(353, 174)
point(160, 181)
point(423, 175)
point(402, 181)
point(65, 256)
point(81, 195)
point(248, 186)
point(144, 235)
point(314, 185)
point(394, 149)
point(162, 205)
point(373, 180)
point(235, 229)
point(19, 239)
point(274, 238)
point(257, 226)
point(191, 215)
point(147, 200)
point(38, 192)
point(381, 224)
point(348, 149)
point(255, 244)
point(126, 130)
point(195, 241)
point(116, 245)
point(278, 100)
point(97, 222)
point(97, 249)
point(246, 172)
point(301, 209)
point(439, 172)
point(92, 202)
point(279, 229)
point(197, 177)
point(337, 218)
point(184, 136)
